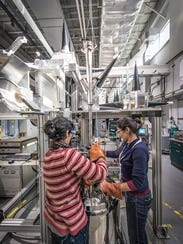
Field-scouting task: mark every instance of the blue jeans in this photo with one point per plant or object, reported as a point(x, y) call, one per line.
point(80, 238)
point(137, 208)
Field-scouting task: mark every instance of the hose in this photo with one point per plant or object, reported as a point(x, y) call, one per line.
point(23, 203)
point(112, 206)
point(120, 237)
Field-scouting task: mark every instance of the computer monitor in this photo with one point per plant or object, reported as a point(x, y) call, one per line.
point(142, 131)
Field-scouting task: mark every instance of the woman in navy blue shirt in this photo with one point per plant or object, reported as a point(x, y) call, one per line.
point(133, 155)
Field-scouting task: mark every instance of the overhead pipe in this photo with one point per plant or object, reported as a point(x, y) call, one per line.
point(156, 12)
point(83, 18)
point(33, 25)
point(84, 85)
point(15, 45)
point(79, 81)
point(88, 54)
point(80, 20)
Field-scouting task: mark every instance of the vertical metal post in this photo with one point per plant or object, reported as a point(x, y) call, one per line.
point(41, 151)
point(84, 132)
point(158, 229)
point(89, 50)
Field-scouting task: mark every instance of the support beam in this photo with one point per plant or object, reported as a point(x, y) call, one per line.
point(30, 21)
point(145, 70)
point(159, 229)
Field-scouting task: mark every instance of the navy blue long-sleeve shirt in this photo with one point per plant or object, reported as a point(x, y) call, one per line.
point(134, 164)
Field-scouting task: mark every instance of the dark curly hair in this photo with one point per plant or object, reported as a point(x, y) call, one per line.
point(56, 128)
point(127, 122)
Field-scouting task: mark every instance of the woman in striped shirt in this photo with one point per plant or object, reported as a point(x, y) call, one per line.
point(64, 169)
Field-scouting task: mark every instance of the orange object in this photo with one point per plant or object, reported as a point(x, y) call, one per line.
point(88, 183)
point(104, 152)
point(112, 189)
point(96, 152)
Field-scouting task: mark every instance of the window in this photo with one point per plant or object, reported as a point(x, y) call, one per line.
point(164, 35)
point(158, 42)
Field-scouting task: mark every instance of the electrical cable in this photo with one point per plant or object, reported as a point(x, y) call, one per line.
point(120, 237)
point(23, 203)
point(13, 213)
point(106, 236)
point(35, 170)
point(112, 206)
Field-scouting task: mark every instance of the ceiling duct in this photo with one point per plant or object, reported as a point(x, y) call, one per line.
point(12, 95)
point(15, 45)
point(14, 69)
point(8, 102)
point(16, 98)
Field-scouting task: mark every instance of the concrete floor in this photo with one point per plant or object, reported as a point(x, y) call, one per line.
point(172, 196)
point(172, 203)
point(172, 214)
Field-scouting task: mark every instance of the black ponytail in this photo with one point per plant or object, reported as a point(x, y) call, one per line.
point(127, 122)
point(57, 128)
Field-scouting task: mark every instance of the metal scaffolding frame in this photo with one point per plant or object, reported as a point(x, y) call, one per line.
point(155, 115)
point(27, 225)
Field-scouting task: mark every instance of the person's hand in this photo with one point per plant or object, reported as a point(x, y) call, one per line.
point(88, 183)
point(112, 189)
point(104, 152)
point(96, 152)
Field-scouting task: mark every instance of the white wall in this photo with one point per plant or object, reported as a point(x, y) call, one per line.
point(175, 45)
point(171, 54)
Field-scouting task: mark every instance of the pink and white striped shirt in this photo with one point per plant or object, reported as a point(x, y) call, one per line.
point(63, 171)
